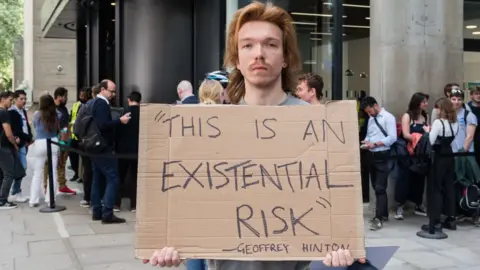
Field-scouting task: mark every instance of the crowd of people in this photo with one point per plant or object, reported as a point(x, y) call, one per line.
point(262, 47)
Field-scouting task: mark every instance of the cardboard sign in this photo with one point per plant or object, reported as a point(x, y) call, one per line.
point(249, 182)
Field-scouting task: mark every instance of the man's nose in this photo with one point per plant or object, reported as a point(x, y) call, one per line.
point(259, 51)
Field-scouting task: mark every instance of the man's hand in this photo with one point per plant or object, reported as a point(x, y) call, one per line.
point(167, 257)
point(125, 118)
point(17, 140)
point(340, 258)
point(370, 145)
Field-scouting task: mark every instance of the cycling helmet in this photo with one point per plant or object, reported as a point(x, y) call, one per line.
point(220, 76)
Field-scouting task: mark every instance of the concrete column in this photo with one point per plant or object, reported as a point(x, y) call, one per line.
point(415, 45)
point(28, 45)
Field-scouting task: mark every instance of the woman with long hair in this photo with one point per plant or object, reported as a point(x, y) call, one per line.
point(411, 185)
point(46, 123)
point(440, 186)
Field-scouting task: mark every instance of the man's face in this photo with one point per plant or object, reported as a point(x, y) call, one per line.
point(63, 100)
point(475, 96)
point(110, 92)
point(260, 53)
point(20, 101)
point(457, 102)
point(372, 111)
point(82, 96)
point(305, 93)
point(6, 102)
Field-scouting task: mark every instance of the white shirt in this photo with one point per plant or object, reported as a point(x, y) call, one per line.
point(437, 130)
point(104, 98)
point(374, 135)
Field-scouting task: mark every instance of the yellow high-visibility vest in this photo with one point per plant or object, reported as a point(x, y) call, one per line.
point(75, 108)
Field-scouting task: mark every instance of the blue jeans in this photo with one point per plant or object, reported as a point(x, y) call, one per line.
point(196, 264)
point(104, 170)
point(17, 184)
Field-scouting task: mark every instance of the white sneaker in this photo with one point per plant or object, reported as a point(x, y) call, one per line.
point(18, 198)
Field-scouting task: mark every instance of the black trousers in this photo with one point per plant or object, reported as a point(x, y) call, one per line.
point(87, 178)
point(365, 174)
point(379, 169)
point(409, 186)
point(441, 188)
point(74, 157)
point(127, 170)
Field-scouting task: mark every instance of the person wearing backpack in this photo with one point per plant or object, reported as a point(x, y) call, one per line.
point(107, 167)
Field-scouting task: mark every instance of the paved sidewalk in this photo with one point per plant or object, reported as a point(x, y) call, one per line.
point(71, 240)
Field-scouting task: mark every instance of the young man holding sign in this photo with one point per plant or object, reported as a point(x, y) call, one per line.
point(262, 46)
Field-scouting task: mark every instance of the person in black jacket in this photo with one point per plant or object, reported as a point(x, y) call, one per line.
point(128, 144)
point(22, 130)
point(107, 167)
point(185, 93)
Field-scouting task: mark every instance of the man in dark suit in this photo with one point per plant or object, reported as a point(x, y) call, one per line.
point(107, 167)
point(185, 93)
point(128, 144)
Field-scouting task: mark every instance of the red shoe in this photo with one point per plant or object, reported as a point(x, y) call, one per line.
point(66, 190)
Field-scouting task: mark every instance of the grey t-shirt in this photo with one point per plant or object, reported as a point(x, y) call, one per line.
point(262, 265)
point(460, 136)
point(289, 101)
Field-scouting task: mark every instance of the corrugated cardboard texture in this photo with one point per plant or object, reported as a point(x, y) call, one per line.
point(249, 183)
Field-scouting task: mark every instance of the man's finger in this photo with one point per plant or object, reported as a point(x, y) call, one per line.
point(363, 260)
point(154, 259)
point(335, 261)
point(161, 258)
point(145, 261)
point(168, 257)
point(348, 257)
point(328, 260)
point(342, 261)
point(176, 259)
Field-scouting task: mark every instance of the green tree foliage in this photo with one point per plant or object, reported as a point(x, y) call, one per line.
point(11, 27)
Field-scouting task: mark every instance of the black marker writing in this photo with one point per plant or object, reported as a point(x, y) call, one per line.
point(159, 116)
point(267, 127)
point(322, 202)
point(246, 174)
point(191, 126)
point(327, 180)
point(310, 130)
point(249, 249)
point(245, 213)
point(323, 247)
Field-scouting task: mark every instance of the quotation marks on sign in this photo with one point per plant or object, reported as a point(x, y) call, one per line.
point(321, 201)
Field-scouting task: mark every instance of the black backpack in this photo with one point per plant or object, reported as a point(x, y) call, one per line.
point(86, 130)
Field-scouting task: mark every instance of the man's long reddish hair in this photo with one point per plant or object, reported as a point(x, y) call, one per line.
point(257, 11)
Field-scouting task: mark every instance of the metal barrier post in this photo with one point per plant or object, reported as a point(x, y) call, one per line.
point(53, 207)
point(429, 231)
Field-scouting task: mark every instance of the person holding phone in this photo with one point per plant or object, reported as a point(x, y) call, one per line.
point(381, 134)
point(105, 169)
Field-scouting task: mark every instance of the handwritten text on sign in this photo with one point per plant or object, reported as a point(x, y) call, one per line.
point(271, 183)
